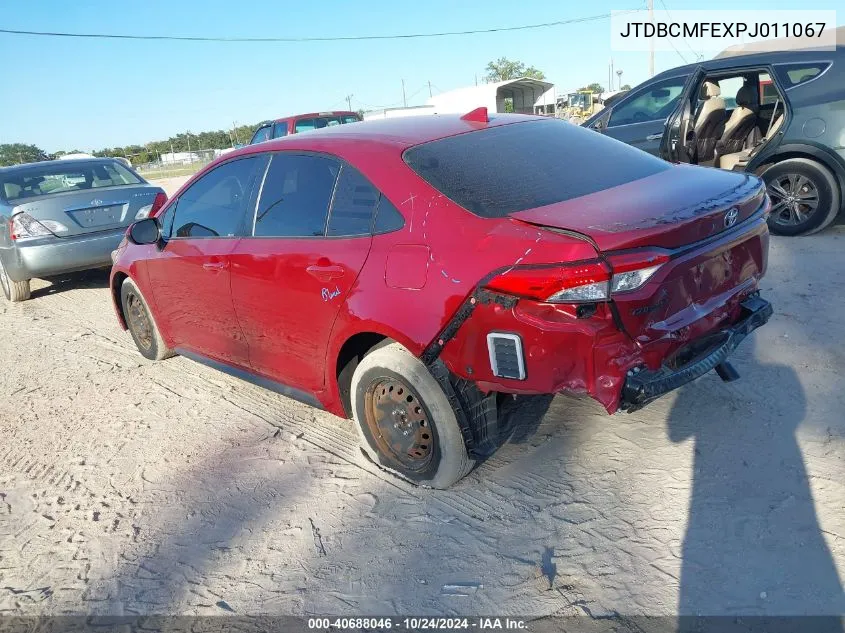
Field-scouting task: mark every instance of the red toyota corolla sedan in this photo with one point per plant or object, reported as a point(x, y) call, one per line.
point(403, 272)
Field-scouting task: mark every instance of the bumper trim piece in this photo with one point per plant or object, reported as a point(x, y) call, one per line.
point(645, 386)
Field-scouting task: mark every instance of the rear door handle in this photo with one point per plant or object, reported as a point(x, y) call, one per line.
point(325, 273)
point(654, 137)
point(214, 266)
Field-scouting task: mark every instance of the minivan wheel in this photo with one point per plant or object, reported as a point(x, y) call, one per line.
point(140, 322)
point(14, 291)
point(405, 420)
point(805, 196)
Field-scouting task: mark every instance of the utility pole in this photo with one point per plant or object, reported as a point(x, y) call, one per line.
point(610, 76)
point(235, 130)
point(651, 40)
point(476, 79)
point(429, 88)
point(619, 74)
point(404, 100)
point(190, 158)
point(349, 102)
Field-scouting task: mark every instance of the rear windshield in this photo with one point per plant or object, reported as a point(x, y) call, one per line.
point(40, 180)
point(303, 125)
point(502, 170)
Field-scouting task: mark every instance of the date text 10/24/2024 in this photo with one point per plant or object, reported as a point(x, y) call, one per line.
point(417, 624)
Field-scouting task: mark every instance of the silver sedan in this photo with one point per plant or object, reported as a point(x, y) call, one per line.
point(64, 216)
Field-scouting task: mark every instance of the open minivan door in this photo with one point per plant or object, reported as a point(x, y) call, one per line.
point(678, 140)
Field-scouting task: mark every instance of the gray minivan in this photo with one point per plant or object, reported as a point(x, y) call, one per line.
point(780, 115)
point(66, 215)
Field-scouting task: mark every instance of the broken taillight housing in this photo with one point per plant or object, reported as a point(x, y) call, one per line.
point(580, 282)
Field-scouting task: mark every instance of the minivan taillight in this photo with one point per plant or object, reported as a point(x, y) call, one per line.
point(590, 281)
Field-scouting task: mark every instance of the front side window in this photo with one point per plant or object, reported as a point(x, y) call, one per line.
point(653, 103)
point(355, 199)
point(214, 205)
point(262, 134)
point(280, 129)
point(296, 195)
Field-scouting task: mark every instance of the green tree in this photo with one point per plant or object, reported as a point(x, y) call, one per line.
point(504, 69)
point(14, 153)
point(594, 87)
point(626, 87)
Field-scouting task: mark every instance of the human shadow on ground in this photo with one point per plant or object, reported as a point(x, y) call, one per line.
point(753, 544)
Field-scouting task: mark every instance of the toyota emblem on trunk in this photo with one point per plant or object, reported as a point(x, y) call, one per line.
point(731, 216)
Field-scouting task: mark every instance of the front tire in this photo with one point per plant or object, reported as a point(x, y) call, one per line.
point(805, 196)
point(14, 291)
point(141, 324)
point(405, 420)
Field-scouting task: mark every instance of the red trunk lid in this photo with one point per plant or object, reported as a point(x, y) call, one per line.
point(670, 209)
point(699, 288)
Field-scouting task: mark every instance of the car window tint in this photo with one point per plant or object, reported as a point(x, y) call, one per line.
point(388, 217)
point(295, 197)
point(280, 130)
point(500, 170)
point(795, 74)
point(649, 104)
point(262, 134)
point(350, 118)
point(355, 199)
point(214, 205)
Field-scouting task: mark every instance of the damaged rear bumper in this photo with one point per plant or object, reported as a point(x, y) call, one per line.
point(695, 359)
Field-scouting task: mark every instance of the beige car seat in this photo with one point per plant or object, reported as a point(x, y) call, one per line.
point(742, 121)
point(710, 121)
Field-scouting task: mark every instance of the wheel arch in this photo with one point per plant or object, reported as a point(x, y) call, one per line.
point(117, 279)
point(818, 153)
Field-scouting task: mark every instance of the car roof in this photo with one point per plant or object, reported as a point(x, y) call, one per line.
point(47, 163)
point(751, 59)
point(399, 133)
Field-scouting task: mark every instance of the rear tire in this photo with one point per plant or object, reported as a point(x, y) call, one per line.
point(14, 291)
point(405, 420)
point(807, 183)
point(141, 324)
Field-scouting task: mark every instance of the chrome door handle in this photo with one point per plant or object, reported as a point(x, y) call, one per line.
point(654, 137)
point(214, 266)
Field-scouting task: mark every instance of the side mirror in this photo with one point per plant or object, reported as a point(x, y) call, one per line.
point(146, 231)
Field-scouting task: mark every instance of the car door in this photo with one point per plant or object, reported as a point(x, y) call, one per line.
point(640, 118)
point(190, 277)
point(311, 237)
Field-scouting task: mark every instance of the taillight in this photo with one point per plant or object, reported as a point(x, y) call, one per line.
point(563, 283)
point(632, 270)
point(23, 226)
point(581, 282)
point(150, 210)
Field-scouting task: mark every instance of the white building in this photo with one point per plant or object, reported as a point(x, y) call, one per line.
point(180, 158)
point(528, 96)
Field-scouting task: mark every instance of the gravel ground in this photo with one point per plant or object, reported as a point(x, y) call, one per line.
point(133, 487)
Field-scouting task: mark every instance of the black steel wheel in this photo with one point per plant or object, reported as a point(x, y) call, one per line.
point(140, 322)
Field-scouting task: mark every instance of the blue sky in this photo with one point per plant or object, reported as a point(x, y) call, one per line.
point(86, 94)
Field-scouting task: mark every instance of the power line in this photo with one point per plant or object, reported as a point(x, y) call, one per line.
point(345, 38)
point(697, 55)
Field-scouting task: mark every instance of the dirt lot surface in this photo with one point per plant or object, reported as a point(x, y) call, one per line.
point(135, 487)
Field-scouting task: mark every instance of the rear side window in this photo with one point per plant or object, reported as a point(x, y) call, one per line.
point(355, 199)
point(214, 205)
point(796, 74)
point(295, 197)
point(510, 168)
